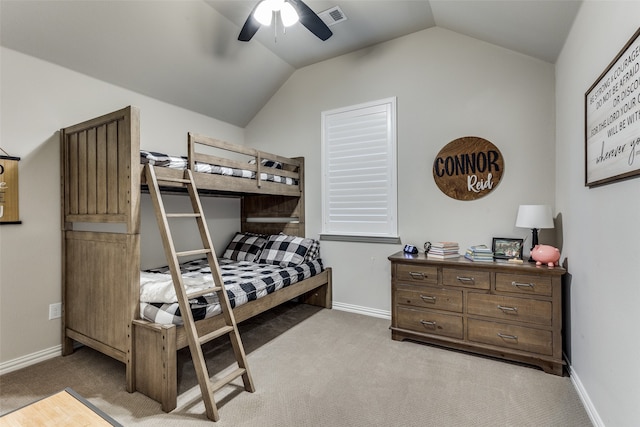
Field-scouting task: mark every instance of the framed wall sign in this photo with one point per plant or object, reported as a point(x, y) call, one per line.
point(612, 119)
point(468, 168)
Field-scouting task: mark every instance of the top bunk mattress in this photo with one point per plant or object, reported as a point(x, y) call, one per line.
point(180, 163)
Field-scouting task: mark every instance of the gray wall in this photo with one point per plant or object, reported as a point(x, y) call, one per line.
point(447, 86)
point(38, 98)
point(601, 232)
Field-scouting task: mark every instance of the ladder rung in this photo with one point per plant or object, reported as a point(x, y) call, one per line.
point(215, 334)
point(226, 380)
point(183, 215)
point(178, 180)
point(194, 252)
point(203, 292)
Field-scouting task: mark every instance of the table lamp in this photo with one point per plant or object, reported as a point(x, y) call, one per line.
point(534, 217)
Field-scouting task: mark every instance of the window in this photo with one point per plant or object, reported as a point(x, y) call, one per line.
point(359, 184)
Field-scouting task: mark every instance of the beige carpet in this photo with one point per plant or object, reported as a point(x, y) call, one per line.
point(315, 367)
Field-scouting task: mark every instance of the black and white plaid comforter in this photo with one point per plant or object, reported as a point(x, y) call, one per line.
point(178, 162)
point(243, 281)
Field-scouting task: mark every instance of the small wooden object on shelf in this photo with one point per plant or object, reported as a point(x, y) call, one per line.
point(500, 309)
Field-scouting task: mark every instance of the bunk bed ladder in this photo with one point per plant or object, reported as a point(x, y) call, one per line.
point(207, 387)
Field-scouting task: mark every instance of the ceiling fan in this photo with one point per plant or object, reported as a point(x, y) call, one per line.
point(290, 11)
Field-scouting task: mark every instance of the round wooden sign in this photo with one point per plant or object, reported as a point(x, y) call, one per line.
point(468, 168)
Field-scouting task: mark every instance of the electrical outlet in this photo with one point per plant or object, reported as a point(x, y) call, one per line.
point(55, 311)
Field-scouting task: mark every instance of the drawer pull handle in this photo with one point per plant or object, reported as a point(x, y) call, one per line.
point(508, 337)
point(522, 285)
point(466, 279)
point(427, 298)
point(417, 275)
point(431, 324)
point(508, 309)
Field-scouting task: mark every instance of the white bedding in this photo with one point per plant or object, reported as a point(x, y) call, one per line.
point(158, 287)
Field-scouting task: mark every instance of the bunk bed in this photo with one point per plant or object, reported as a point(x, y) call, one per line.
point(102, 178)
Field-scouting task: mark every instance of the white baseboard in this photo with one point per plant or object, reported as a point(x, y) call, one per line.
point(584, 397)
point(30, 359)
point(373, 312)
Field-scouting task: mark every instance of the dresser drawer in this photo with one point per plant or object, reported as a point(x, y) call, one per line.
point(428, 322)
point(417, 273)
point(428, 297)
point(468, 278)
point(510, 308)
point(523, 284)
point(510, 336)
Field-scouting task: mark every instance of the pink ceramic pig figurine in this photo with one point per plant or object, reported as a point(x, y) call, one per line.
point(545, 254)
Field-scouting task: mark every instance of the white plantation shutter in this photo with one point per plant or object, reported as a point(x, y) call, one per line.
point(359, 170)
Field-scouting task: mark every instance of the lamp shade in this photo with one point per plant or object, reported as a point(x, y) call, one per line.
point(534, 216)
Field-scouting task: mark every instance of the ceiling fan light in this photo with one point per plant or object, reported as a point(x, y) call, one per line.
point(263, 13)
point(275, 5)
point(288, 15)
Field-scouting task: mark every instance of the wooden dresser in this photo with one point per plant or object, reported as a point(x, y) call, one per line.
point(510, 311)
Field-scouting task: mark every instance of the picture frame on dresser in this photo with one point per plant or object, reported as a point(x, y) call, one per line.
point(507, 248)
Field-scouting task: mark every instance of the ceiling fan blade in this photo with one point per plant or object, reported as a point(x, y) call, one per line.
point(311, 20)
point(250, 27)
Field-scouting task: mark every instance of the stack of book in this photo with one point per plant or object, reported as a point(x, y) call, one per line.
point(443, 250)
point(479, 253)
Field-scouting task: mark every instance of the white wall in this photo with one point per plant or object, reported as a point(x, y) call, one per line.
point(39, 98)
point(601, 227)
point(447, 86)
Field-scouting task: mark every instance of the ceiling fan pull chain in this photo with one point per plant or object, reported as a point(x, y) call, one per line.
point(275, 27)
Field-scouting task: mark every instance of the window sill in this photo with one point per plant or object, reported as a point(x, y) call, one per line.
point(360, 239)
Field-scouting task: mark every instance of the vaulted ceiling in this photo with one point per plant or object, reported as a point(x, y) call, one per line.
point(186, 52)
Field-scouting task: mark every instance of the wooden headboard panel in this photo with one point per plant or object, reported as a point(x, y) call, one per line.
point(100, 158)
point(273, 214)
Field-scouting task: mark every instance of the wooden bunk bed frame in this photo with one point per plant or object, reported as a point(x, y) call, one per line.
point(102, 178)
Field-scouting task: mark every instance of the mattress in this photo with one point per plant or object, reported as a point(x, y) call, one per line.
point(180, 162)
point(244, 281)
